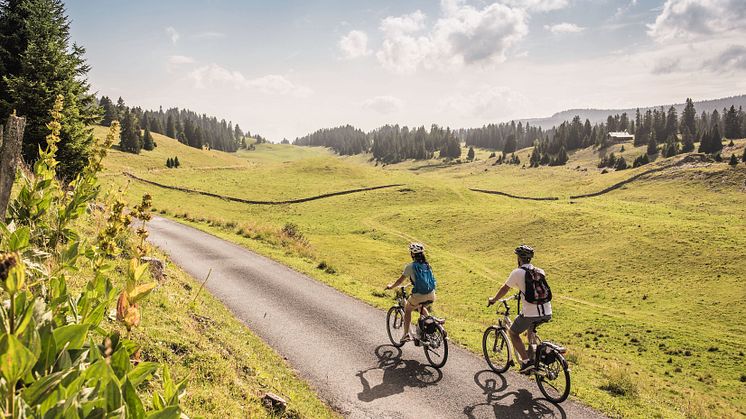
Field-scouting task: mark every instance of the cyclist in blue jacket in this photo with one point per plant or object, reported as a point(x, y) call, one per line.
point(421, 276)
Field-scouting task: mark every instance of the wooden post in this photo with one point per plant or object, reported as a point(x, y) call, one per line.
point(11, 138)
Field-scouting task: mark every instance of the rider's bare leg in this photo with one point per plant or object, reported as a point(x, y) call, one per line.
point(518, 345)
point(408, 308)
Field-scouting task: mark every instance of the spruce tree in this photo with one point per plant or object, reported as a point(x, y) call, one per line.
point(176, 162)
point(470, 154)
point(147, 142)
point(129, 137)
point(621, 164)
point(169, 163)
point(716, 140)
point(689, 117)
point(510, 144)
point(652, 145)
point(733, 160)
point(37, 63)
point(687, 138)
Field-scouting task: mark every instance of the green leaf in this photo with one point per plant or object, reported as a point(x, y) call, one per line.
point(140, 291)
point(171, 412)
point(15, 359)
point(43, 387)
point(158, 402)
point(19, 239)
point(132, 401)
point(120, 363)
point(16, 279)
point(142, 372)
point(72, 335)
point(25, 317)
point(113, 396)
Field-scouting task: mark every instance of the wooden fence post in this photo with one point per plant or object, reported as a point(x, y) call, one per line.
point(11, 138)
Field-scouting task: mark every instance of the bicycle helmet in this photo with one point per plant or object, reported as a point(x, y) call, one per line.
point(524, 251)
point(416, 248)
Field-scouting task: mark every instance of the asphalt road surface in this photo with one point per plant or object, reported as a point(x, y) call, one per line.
point(340, 346)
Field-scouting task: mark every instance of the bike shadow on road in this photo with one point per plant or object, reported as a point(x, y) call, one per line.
point(397, 374)
point(498, 401)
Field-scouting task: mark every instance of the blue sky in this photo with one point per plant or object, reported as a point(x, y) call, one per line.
point(285, 68)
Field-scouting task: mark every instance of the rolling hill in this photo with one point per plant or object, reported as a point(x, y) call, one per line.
point(599, 115)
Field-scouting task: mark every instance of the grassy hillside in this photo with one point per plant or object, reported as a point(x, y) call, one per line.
point(647, 278)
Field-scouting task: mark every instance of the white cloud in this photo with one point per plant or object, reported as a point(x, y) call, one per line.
point(276, 84)
point(487, 103)
point(462, 35)
point(696, 19)
point(538, 5)
point(214, 75)
point(354, 44)
point(564, 28)
point(732, 58)
point(384, 104)
point(413, 22)
point(172, 34)
point(180, 60)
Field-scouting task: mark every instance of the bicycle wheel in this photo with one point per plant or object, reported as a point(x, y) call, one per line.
point(553, 379)
point(436, 347)
point(496, 349)
point(395, 325)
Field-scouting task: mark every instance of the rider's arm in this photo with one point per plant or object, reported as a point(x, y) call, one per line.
point(396, 283)
point(500, 294)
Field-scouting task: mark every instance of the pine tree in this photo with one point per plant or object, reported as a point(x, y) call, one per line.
point(147, 142)
point(687, 138)
point(733, 160)
point(652, 145)
point(130, 139)
point(110, 111)
point(716, 140)
point(510, 144)
point(38, 62)
point(169, 163)
point(176, 162)
point(621, 164)
point(470, 154)
point(689, 117)
point(171, 127)
point(704, 143)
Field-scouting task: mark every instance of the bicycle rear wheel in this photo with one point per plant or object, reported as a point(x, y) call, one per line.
point(395, 325)
point(496, 349)
point(553, 379)
point(436, 348)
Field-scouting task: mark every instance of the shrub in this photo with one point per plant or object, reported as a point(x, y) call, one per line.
point(619, 382)
point(63, 362)
point(733, 160)
point(291, 230)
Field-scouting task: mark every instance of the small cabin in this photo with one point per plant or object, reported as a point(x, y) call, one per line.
point(619, 137)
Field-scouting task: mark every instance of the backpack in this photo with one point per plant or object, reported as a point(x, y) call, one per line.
point(537, 288)
point(424, 281)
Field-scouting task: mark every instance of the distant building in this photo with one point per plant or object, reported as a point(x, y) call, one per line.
point(619, 137)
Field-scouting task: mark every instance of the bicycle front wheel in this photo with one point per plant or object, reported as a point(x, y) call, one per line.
point(436, 347)
point(553, 379)
point(395, 325)
point(496, 349)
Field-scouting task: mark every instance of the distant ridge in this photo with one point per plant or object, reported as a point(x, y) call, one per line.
point(599, 115)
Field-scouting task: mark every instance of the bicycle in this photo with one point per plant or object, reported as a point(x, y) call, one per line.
point(550, 367)
point(431, 334)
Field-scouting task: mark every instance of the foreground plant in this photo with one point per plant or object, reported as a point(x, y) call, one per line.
point(56, 357)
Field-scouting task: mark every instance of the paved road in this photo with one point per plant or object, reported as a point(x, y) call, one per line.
point(340, 345)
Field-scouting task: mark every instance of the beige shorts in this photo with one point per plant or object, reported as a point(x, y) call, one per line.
point(417, 299)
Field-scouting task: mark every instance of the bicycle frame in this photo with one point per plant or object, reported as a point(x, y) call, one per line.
point(506, 322)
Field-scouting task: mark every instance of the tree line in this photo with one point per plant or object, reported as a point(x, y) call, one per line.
point(389, 143)
point(188, 127)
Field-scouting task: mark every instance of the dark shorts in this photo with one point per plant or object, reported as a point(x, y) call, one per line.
point(521, 324)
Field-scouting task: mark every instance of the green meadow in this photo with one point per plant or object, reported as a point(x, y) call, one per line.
point(647, 278)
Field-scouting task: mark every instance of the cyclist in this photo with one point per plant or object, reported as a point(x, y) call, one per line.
point(421, 276)
point(532, 313)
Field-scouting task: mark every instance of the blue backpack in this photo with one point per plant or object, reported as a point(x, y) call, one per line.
point(424, 281)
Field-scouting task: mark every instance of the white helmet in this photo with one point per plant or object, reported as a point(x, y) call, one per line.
point(416, 248)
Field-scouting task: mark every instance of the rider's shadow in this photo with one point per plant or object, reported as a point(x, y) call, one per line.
point(396, 375)
point(522, 405)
